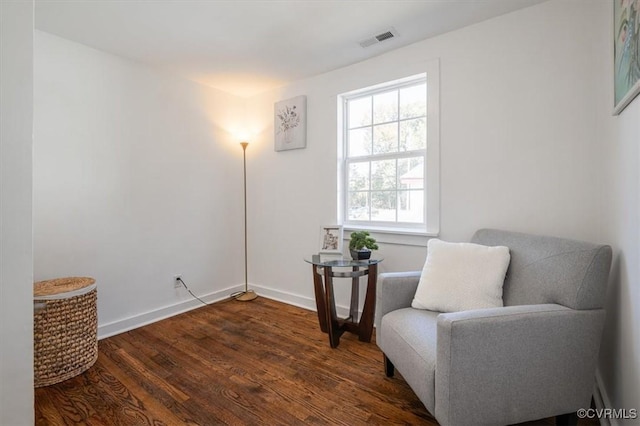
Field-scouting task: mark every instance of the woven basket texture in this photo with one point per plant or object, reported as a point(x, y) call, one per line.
point(59, 286)
point(65, 337)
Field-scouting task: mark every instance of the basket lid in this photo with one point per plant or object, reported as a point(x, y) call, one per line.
point(74, 285)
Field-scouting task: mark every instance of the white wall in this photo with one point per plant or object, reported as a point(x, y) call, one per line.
point(137, 177)
point(619, 367)
point(527, 143)
point(620, 353)
point(518, 147)
point(16, 252)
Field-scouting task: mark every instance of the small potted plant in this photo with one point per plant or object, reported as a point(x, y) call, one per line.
point(361, 245)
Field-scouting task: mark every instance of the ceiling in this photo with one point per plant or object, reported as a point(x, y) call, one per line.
point(248, 46)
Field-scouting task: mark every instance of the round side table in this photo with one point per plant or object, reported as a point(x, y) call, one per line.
point(325, 302)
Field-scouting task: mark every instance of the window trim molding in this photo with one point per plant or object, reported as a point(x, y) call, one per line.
point(395, 236)
point(431, 227)
point(433, 147)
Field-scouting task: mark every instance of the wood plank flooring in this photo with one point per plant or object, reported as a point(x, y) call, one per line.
point(253, 363)
point(260, 362)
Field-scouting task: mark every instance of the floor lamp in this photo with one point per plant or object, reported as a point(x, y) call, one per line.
point(246, 295)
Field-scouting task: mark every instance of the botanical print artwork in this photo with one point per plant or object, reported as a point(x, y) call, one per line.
point(290, 123)
point(627, 52)
point(288, 120)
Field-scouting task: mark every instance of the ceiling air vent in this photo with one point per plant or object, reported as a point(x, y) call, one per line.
point(383, 36)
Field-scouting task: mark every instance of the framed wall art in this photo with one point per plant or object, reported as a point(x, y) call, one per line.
point(290, 123)
point(626, 42)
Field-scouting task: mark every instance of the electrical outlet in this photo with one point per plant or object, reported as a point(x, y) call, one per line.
point(176, 281)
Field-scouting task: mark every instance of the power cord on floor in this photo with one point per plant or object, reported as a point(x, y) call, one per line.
point(187, 288)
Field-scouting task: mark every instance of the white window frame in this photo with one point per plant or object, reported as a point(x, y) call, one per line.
point(385, 230)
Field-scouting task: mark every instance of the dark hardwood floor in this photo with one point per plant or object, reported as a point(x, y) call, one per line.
point(260, 362)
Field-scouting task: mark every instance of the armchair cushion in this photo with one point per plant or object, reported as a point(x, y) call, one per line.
point(410, 341)
point(461, 276)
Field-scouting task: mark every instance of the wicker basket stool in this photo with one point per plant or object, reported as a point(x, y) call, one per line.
point(65, 328)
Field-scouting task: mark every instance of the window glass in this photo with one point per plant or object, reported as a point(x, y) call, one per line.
point(385, 156)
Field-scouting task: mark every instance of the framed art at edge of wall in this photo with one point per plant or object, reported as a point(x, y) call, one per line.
point(626, 36)
point(331, 239)
point(290, 123)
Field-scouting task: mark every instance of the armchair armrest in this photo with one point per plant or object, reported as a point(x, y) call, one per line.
point(499, 365)
point(395, 290)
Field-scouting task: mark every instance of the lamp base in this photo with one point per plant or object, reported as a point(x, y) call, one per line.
point(246, 296)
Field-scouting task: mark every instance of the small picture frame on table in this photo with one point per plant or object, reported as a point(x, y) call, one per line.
point(331, 239)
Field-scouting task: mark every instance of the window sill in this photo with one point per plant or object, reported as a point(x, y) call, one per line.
point(397, 236)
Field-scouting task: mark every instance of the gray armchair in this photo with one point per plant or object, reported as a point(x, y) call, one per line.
point(531, 359)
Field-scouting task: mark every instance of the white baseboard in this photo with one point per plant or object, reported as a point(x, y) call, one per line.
point(297, 300)
point(130, 323)
point(602, 400)
point(127, 324)
point(285, 297)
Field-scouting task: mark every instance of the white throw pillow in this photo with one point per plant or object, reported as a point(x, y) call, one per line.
point(461, 276)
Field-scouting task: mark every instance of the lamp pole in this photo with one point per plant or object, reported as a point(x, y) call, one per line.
point(247, 294)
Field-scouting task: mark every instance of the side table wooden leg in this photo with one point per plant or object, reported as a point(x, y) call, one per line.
point(365, 329)
point(332, 318)
point(321, 302)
